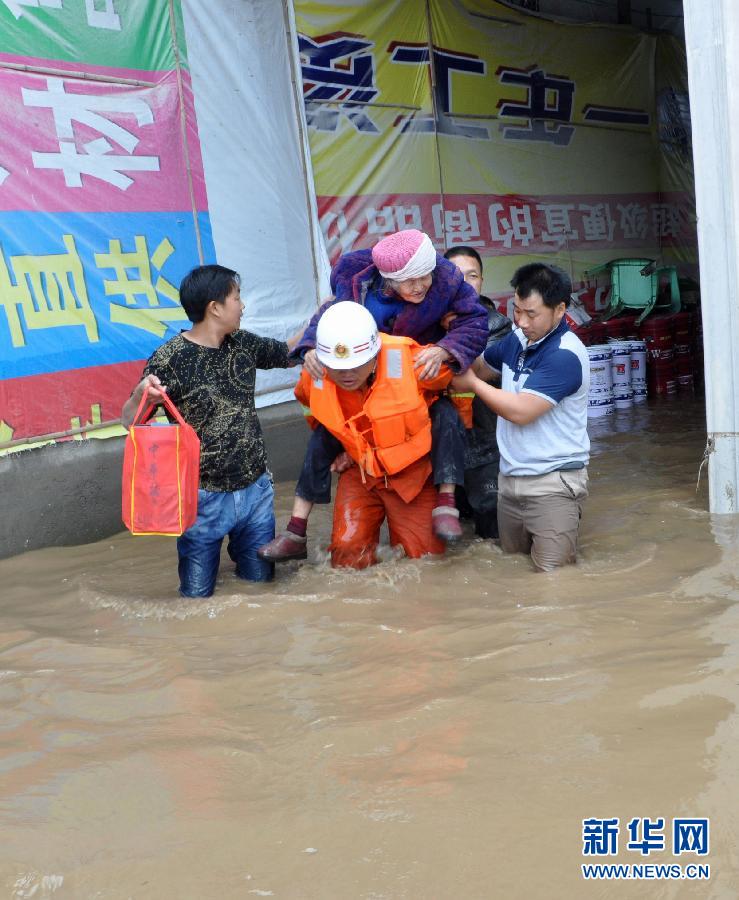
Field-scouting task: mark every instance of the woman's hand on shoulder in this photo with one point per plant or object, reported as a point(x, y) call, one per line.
point(313, 366)
point(430, 360)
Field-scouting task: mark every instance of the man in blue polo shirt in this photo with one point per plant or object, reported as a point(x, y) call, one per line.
point(542, 408)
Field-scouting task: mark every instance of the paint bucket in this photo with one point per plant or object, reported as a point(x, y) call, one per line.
point(621, 364)
point(601, 378)
point(640, 394)
point(623, 397)
point(622, 328)
point(583, 332)
point(638, 353)
point(615, 329)
point(600, 405)
point(685, 384)
point(598, 333)
point(656, 332)
point(629, 328)
point(682, 330)
point(684, 363)
point(661, 377)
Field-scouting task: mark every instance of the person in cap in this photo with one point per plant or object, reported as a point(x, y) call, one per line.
point(479, 499)
point(542, 410)
point(373, 402)
point(409, 289)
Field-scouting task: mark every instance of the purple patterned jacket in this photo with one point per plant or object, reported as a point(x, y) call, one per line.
point(449, 292)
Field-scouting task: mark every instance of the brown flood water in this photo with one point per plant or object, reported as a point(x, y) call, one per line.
point(432, 729)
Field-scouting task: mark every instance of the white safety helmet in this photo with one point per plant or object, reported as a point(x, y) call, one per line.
point(347, 337)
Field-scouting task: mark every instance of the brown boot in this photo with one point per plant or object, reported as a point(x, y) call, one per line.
point(446, 523)
point(285, 546)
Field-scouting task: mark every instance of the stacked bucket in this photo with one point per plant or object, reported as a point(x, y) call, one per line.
point(638, 354)
point(629, 372)
point(658, 336)
point(618, 376)
point(600, 394)
point(682, 331)
point(662, 356)
point(623, 393)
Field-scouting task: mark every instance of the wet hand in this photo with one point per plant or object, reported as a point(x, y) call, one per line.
point(342, 462)
point(153, 385)
point(465, 382)
point(313, 365)
point(430, 361)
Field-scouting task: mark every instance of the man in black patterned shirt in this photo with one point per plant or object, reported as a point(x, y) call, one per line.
point(209, 373)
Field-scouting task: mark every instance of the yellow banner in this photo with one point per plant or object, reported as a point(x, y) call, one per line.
point(490, 127)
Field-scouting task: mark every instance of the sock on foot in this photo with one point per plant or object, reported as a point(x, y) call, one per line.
point(297, 525)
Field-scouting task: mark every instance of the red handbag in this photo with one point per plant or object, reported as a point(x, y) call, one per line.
point(161, 472)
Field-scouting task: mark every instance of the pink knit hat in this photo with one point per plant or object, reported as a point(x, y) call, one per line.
point(393, 254)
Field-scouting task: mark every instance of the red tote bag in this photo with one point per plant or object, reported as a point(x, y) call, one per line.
point(161, 472)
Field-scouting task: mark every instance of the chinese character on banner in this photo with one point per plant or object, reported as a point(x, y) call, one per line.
point(665, 220)
point(518, 228)
point(597, 224)
point(154, 314)
point(459, 226)
point(558, 229)
point(615, 115)
point(48, 291)
point(633, 221)
point(3, 174)
point(102, 18)
point(600, 837)
point(389, 219)
point(646, 835)
point(337, 68)
point(97, 158)
point(690, 836)
point(339, 237)
point(548, 97)
point(96, 18)
point(446, 64)
point(16, 6)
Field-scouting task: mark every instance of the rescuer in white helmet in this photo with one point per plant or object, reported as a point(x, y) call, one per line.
point(375, 408)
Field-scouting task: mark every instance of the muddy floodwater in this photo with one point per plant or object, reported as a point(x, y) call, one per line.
point(424, 729)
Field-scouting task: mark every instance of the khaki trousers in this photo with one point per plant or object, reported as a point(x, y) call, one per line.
point(540, 515)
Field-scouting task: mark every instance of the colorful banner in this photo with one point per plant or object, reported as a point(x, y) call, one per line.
point(103, 206)
point(136, 34)
point(533, 138)
point(97, 146)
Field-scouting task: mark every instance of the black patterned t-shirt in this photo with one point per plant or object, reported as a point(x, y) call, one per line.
point(213, 388)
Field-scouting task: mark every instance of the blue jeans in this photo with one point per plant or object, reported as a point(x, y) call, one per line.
point(247, 517)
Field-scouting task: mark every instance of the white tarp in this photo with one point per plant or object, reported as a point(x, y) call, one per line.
point(242, 58)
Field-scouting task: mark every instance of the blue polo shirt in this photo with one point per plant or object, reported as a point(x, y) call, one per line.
point(556, 368)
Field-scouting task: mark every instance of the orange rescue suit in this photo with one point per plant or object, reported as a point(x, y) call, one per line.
point(386, 429)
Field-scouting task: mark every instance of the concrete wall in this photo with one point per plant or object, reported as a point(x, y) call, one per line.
point(70, 493)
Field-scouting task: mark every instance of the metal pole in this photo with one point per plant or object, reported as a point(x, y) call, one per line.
point(712, 44)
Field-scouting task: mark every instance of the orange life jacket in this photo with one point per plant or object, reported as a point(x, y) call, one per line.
point(393, 429)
